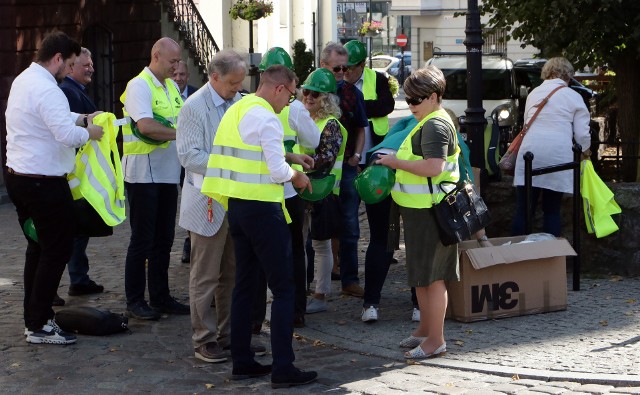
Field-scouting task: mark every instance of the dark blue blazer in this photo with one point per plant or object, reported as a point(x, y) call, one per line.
point(190, 90)
point(79, 102)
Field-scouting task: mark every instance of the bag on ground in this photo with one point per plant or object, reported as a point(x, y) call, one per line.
point(91, 321)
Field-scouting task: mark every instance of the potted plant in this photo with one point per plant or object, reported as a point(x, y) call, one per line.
point(370, 29)
point(250, 10)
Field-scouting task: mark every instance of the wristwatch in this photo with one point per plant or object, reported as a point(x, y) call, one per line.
point(357, 155)
point(86, 120)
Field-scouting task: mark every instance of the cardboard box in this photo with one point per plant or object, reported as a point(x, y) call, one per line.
point(509, 280)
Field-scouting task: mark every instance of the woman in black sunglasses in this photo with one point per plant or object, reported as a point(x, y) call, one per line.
point(427, 157)
point(319, 98)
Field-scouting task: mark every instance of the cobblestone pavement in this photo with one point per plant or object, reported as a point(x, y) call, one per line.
point(591, 348)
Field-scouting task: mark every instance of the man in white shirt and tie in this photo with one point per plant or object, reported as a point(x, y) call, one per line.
point(42, 134)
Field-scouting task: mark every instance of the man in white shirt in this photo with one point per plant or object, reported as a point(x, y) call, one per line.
point(151, 175)
point(42, 134)
point(245, 172)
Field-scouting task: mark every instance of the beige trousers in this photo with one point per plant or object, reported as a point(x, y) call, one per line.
point(212, 275)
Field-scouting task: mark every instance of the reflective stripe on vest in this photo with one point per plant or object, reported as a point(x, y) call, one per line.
point(167, 107)
point(337, 166)
point(380, 124)
point(98, 176)
point(411, 190)
point(236, 169)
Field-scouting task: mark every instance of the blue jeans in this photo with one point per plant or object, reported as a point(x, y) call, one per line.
point(377, 258)
point(78, 265)
point(152, 214)
point(551, 203)
point(261, 239)
point(350, 202)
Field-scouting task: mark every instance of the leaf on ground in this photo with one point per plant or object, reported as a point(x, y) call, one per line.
point(604, 323)
point(459, 343)
point(616, 278)
point(341, 322)
point(113, 350)
point(129, 370)
point(412, 362)
point(60, 378)
point(631, 301)
point(629, 313)
point(468, 331)
point(515, 377)
point(15, 365)
point(318, 343)
point(209, 386)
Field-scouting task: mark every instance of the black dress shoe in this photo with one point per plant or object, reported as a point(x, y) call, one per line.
point(186, 251)
point(255, 370)
point(292, 379)
point(171, 306)
point(57, 301)
point(142, 311)
point(85, 289)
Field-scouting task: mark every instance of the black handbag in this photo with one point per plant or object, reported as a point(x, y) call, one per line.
point(91, 321)
point(460, 214)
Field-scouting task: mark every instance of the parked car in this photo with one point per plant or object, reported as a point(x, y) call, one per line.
point(389, 65)
point(528, 76)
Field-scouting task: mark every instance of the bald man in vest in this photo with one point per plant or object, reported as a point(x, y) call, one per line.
point(151, 175)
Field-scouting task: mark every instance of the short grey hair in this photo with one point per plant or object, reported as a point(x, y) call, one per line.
point(85, 51)
point(557, 68)
point(331, 47)
point(225, 62)
point(424, 82)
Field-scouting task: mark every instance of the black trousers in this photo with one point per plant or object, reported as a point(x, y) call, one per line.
point(48, 202)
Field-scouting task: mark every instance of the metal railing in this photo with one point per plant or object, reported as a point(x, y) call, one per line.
point(529, 173)
point(193, 30)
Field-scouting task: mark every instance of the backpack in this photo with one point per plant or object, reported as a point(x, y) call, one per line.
point(91, 321)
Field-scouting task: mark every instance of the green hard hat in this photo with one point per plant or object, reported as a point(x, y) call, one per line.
point(374, 184)
point(30, 229)
point(146, 139)
point(275, 55)
point(322, 187)
point(357, 52)
point(321, 80)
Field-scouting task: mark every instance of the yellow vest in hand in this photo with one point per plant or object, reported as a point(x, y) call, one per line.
point(167, 107)
point(380, 124)
point(98, 176)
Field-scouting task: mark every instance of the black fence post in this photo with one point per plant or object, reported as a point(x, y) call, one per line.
point(528, 181)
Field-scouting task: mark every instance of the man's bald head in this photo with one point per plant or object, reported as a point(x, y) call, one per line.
point(165, 55)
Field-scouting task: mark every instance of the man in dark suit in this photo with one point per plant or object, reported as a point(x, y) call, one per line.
point(74, 88)
point(181, 77)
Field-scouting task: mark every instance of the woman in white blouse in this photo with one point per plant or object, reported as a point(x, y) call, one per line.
point(562, 120)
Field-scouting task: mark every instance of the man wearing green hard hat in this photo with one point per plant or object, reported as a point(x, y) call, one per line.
point(372, 183)
point(300, 134)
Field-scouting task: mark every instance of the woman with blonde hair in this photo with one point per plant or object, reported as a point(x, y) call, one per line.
point(320, 100)
point(426, 165)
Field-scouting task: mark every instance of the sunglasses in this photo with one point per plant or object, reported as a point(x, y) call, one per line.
point(337, 69)
point(293, 96)
point(307, 92)
point(414, 102)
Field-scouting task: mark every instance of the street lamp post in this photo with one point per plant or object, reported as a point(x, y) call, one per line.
point(475, 121)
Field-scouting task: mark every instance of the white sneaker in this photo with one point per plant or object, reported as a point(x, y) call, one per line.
point(415, 316)
point(316, 306)
point(370, 314)
point(51, 334)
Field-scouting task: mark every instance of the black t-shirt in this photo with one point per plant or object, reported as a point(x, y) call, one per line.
point(436, 139)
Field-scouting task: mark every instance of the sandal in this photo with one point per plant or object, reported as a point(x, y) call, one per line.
point(411, 341)
point(418, 352)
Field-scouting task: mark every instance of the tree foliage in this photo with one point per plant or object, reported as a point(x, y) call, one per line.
point(302, 60)
point(587, 32)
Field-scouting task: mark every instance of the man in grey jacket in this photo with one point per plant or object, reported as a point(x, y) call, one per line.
point(212, 273)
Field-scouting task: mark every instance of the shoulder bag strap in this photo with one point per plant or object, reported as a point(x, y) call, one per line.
point(540, 106)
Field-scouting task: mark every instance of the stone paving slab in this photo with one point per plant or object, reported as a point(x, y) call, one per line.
point(571, 350)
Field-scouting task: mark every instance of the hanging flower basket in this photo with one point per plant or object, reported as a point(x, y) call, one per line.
point(370, 29)
point(250, 10)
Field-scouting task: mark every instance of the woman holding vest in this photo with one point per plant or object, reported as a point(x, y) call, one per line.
point(426, 161)
point(320, 100)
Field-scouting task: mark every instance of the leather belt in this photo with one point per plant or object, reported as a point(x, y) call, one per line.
point(11, 171)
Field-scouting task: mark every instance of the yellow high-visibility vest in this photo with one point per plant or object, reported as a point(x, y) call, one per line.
point(411, 190)
point(380, 124)
point(239, 170)
point(337, 166)
point(98, 176)
point(166, 107)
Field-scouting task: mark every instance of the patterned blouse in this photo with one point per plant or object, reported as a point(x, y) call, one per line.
point(329, 146)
